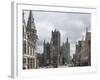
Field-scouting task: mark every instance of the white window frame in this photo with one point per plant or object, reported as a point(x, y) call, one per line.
point(16, 55)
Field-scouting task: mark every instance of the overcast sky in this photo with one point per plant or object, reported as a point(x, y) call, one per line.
point(71, 25)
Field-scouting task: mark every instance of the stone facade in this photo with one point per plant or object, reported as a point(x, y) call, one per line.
point(65, 53)
point(54, 54)
point(86, 50)
point(29, 43)
point(48, 58)
point(82, 56)
point(56, 45)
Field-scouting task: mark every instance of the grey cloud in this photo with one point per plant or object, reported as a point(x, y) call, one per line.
point(39, 42)
point(71, 25)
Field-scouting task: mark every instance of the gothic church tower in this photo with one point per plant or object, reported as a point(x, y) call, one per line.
point(56, 44)
point(29, 41)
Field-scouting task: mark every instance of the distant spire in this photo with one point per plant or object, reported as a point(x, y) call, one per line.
point(67, 40)
point(24, 24)
point(86, 29)
point(23, 15)
point(44, 41)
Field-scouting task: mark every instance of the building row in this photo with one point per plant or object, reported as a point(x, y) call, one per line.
point(55, 55)
point(82, 56)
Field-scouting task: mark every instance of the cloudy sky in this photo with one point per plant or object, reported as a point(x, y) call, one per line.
point(71, 25)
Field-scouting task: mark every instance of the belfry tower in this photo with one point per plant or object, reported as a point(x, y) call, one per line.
point(29, 41)
point(56, 44)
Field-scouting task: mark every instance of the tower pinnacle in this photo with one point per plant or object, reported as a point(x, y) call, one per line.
point(30, 23)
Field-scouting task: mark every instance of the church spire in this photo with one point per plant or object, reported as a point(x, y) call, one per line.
point(30, 23)
point(24, 24)
point(86, 29)
point(67, 39)
point(44, 42)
